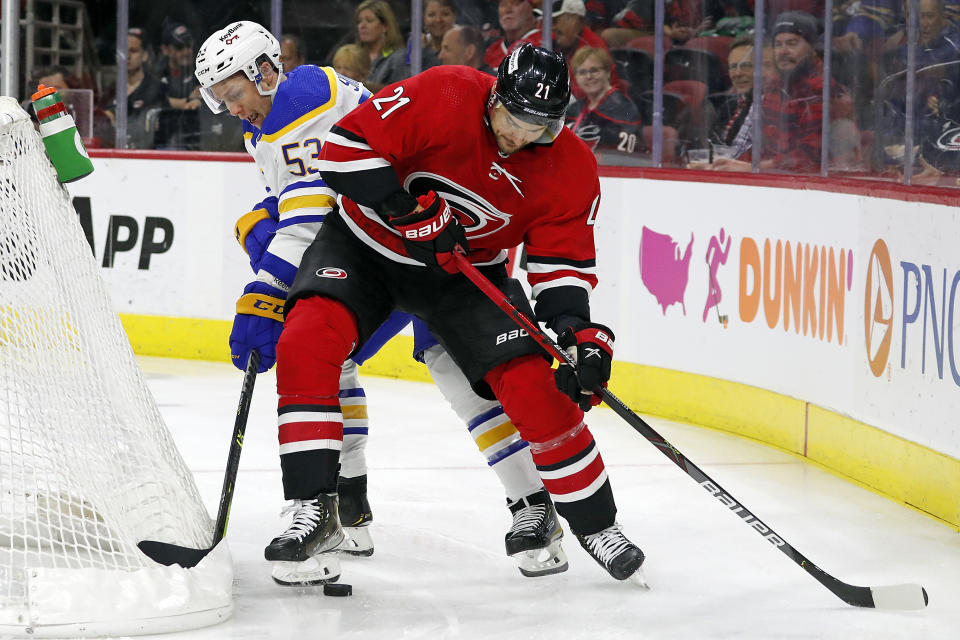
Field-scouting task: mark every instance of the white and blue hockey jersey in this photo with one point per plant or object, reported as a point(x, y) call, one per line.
point(308, 102)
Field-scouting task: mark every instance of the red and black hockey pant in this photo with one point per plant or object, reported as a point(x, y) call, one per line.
point(344, 290)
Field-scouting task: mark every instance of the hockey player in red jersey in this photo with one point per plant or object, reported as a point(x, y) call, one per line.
point(286, 116)
point(449, 160)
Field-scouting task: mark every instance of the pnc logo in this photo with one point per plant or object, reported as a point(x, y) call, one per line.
point(878, 308)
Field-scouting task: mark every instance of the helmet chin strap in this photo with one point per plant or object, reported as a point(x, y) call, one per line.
point(269, 92)
point(254, 74)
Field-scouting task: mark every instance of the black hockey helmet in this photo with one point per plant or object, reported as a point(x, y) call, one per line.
point(534, 85)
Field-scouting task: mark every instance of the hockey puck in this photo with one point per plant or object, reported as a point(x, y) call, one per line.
point(337, 589)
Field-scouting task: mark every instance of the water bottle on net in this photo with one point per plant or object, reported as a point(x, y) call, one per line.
point(60, 136)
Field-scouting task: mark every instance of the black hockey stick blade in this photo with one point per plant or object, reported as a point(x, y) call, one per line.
point(903, 596)
point(168, 554)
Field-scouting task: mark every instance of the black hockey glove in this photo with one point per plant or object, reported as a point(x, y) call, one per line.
point(591, 347)
point(431, 235)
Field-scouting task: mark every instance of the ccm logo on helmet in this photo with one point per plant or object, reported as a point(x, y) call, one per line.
point(332, 272)
point(430, 228)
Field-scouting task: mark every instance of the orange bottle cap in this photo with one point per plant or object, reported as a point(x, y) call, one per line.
point(42, 91)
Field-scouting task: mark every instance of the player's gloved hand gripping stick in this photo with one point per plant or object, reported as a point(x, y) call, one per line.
point(901, 596)
point(257, 325)
point(590, 345)
point(168, 554)
point(431, 232)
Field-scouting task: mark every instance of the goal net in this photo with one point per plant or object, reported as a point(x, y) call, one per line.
point(87, 466)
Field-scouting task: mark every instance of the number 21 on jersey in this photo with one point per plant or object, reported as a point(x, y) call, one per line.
point(398, 100)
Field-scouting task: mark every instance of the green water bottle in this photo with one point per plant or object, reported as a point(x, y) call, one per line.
point(60, 136)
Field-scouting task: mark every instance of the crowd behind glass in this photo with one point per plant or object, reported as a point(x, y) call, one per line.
point(829, 96)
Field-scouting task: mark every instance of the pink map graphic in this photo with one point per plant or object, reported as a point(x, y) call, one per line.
point(662, 269)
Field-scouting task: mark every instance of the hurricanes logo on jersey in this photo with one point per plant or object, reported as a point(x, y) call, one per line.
point(332, 272)
point(479, 217)
point(496, 171)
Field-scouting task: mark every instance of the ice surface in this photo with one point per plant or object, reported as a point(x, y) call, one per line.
point(439, 570)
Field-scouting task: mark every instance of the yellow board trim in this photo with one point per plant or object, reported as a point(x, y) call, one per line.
point(912, 474)
point(302, 202)
point(332, 81)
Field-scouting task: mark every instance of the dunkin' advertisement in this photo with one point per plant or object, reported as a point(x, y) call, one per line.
point(844, 301)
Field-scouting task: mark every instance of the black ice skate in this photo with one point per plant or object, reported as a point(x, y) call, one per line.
point(302, 555)
point(534, 539)
point(620, 557)
point(355, 516)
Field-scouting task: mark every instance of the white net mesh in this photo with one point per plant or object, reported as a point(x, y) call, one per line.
point(87, 467)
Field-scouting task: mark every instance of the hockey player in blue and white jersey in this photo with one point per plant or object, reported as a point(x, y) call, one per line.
point(286, 119)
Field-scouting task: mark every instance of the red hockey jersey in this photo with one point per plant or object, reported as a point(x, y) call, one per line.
point(430, 132)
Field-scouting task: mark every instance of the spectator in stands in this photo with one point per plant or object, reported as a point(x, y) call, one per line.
point(352, 61)
point(464, 45)
point(439, 16)
point(718, 10)
point(684, 19)
point(736, 114)
point(604, 118)
point(144, 92)
point(377, 32)
point(845, 152)
point(180, 86)
point(482, 15)
point(293, 51)
point(938, 39)
point(879, 25)
point(571, 33)
point(53, 76)
point(600, 13)
point(518, 25)
point(793, 105)
point(936, 94)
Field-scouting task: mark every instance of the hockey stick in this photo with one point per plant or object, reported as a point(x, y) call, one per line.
point(167, 554)
point(901, 596)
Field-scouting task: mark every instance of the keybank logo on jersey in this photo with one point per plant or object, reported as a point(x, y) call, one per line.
point(878, 308)
point(478, 217)
point(332, 272)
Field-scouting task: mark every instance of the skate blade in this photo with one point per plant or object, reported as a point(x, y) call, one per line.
point(357, 542)
point(319, 569)
point(639, 579)
point(542, 562)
